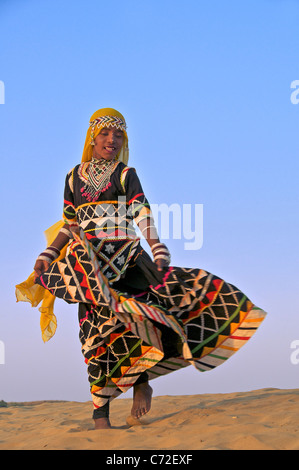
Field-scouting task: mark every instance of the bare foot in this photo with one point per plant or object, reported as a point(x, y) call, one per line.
point(142, 399)
point(102, 423)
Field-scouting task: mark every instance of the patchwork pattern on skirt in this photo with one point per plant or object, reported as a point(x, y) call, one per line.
point(119, 331)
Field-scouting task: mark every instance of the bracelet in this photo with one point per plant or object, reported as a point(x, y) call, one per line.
point(160, 251)
point(66, 232)
point(152, 231)
point(159, 247)
point(49, 255)
point(147, 227)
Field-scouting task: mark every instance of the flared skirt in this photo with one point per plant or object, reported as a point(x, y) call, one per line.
point(149, 320)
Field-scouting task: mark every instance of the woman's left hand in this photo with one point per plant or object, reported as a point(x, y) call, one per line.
point(161, 264)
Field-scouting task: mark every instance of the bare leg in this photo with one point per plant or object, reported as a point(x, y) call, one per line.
point(102, 423)
point(142, 398)
point(101, 417)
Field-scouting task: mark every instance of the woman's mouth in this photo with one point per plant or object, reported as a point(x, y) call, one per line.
point(110, 149)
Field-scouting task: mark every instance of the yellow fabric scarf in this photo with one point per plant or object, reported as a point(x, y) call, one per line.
point(28, 291)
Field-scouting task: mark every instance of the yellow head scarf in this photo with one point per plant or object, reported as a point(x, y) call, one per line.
point(105, 117)
point(27, 291)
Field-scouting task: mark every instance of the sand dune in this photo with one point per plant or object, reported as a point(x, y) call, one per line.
point(263, 419)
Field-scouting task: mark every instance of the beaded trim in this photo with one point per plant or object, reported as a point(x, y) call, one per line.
point(106, 121)
point(98, 178)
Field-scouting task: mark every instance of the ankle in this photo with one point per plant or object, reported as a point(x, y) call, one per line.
point(102, 423)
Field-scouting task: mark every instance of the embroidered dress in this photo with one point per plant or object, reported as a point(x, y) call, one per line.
point(134, 318)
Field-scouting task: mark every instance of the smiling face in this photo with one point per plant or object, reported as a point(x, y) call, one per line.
point(108, 143)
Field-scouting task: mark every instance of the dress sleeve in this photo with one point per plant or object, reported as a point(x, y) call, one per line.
point(138, 205)
point(69, 211)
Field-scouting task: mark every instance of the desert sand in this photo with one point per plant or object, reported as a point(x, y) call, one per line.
point(266, 419)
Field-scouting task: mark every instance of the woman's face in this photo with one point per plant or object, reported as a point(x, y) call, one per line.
point(108, 143)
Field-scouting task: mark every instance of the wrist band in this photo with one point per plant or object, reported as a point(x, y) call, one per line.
point(147, 227)
point(49, 255)
point(160, 251)
point(66, 232)
point(152, 231)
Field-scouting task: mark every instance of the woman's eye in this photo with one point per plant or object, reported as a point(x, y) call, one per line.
point(105, 134)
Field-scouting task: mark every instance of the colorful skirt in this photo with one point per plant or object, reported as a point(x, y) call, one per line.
point(149, 321)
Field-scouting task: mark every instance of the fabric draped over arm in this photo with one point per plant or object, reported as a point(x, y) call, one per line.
point(33, 293)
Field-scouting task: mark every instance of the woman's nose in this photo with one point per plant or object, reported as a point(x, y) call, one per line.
point(111, 138)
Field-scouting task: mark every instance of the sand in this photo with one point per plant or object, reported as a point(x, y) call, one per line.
point(266, 419)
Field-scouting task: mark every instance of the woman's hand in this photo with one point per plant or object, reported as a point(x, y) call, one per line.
point(45, 259)
point(40, 267)
point(161, 264)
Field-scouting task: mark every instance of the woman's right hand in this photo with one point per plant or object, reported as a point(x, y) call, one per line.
point(40, 267)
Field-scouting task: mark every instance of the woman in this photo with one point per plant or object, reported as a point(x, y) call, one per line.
point(138, 318)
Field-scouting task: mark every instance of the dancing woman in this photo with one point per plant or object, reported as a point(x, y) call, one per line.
point(139, 317)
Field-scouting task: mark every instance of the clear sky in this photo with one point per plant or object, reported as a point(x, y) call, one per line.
point(205, 87)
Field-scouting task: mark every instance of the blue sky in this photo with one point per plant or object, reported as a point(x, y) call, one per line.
point(205, 88)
